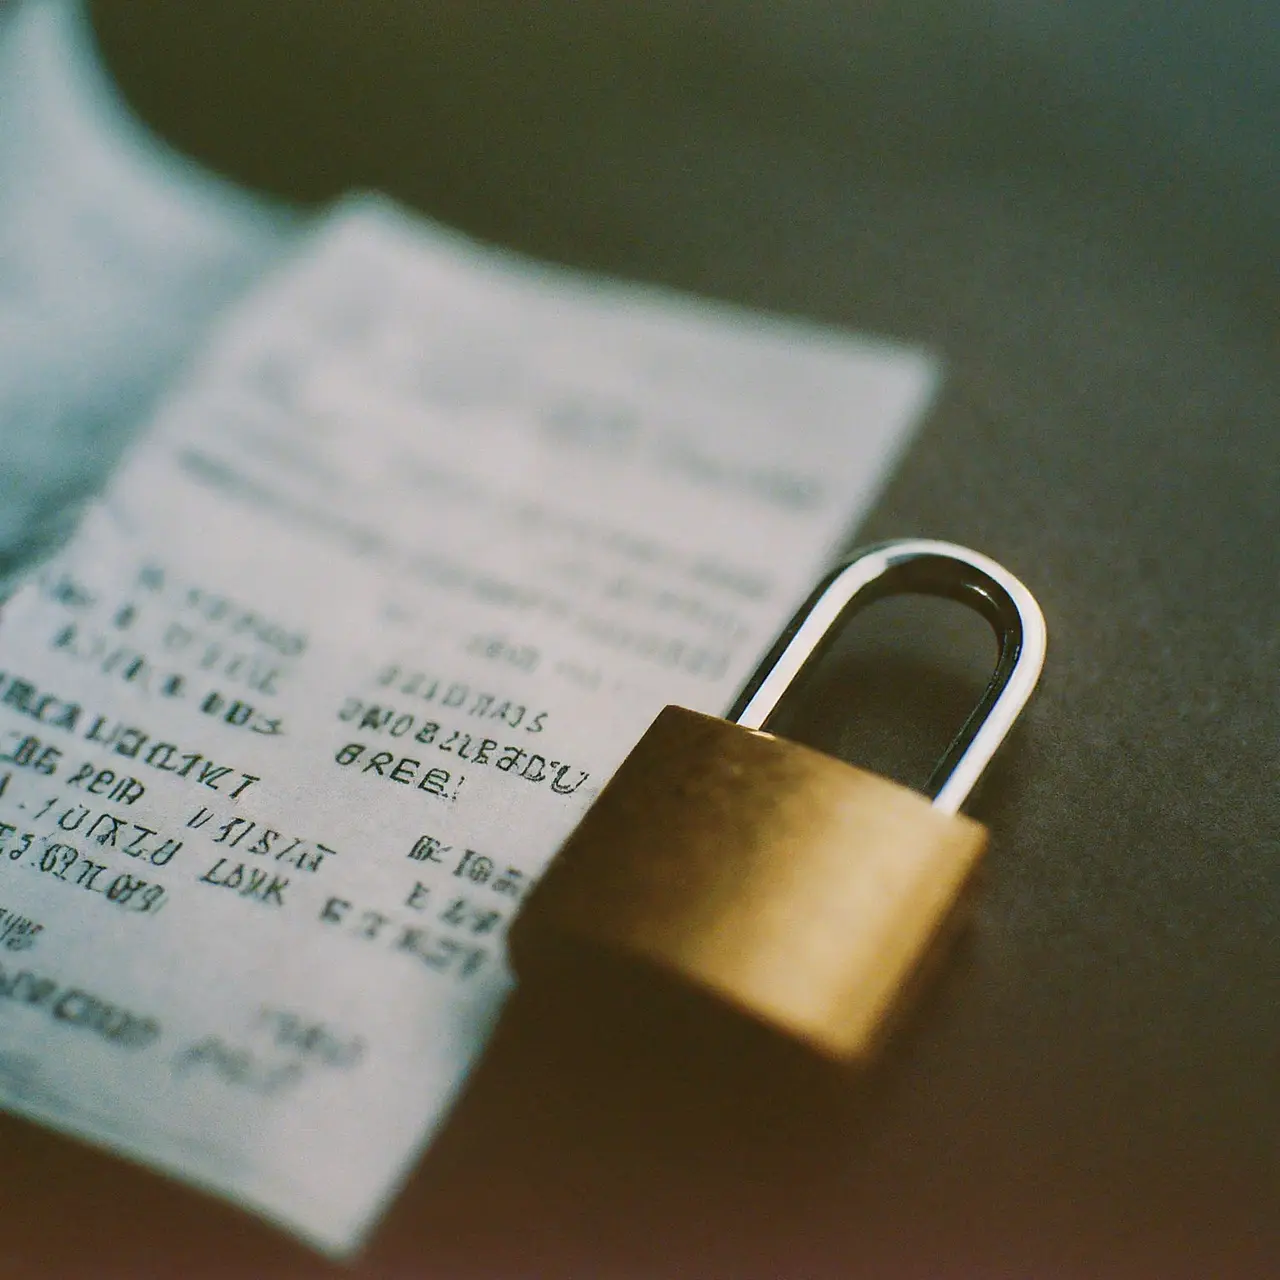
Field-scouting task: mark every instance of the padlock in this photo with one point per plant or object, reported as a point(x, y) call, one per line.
point(803, 891)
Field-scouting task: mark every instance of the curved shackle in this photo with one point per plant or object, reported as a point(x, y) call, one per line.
point(918, 566)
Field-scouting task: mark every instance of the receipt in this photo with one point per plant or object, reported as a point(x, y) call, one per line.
point(115, 256)
point(381, 596)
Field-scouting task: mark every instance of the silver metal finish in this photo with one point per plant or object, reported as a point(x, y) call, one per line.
point(921, 567)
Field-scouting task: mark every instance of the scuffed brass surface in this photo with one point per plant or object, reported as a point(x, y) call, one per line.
point(802, 890)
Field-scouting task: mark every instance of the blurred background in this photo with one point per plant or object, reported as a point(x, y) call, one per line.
point(666, 139)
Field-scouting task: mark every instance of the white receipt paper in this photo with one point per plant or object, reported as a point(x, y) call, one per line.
point(401, 569)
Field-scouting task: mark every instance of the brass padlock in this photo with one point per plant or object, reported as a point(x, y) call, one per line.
point(800, 889)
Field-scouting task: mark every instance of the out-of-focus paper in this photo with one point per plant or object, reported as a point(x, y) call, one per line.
point(380, 600)
point(115, 255)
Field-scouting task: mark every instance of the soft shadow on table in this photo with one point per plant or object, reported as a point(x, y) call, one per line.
point(617, 1126)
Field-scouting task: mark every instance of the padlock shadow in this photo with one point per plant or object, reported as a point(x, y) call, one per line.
point(627, 1124)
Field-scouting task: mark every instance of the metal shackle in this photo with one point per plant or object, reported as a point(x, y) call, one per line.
point(917, 566)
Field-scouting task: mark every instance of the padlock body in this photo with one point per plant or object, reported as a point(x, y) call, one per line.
point(804, 891)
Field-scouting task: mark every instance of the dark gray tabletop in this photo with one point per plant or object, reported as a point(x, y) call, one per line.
point(1081, 219)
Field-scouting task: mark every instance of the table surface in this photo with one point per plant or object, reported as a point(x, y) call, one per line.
point(1091, 1090)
